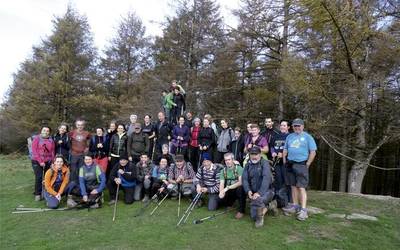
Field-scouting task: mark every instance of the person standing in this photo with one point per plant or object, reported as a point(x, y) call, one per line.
point(237, 146)
point(298, 154)
point(62, 141)
point(43, 149)
point(207, 140)
point(131, 126)
point(269, 132)
point(80, 140)
point(163, 132)
point(194, 143)
point(180, 138)
point(99, 146)
point(149, 130)
point(180, 107)
point(118, 147)
point(224, 140)
point(138, 144)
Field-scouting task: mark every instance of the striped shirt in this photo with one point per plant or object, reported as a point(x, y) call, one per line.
point(208, 178)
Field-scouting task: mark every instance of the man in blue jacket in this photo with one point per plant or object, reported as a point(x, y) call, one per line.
point(257, 184)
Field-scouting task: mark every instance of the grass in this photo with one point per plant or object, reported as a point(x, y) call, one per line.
point(94, 229)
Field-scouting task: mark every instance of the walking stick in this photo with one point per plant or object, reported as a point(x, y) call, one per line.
point(115, 204)
point(190, 208)
point(147, 203)
point(211, 216)
point(179, 198)
point(159, 204)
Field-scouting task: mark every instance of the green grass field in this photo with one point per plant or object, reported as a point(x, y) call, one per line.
point(94, 229)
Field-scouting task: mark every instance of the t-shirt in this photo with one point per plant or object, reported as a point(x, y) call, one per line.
point(230, 175)
point(79, 141)
point(299, 146)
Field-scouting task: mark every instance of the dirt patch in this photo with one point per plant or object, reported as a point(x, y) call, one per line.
point(296, 237)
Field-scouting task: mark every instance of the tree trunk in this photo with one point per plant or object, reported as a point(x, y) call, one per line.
point(356, 177)
point(284, 55)
point(343, 169)
point(329, 174)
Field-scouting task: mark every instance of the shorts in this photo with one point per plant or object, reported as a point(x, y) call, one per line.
point(297, 174)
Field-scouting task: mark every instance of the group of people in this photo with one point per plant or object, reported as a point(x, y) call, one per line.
point(268, 167)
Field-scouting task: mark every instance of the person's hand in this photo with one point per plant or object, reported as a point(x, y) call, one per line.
point(109, 158)
point(250, 194)
point(280, 155)
point(146, 177)
point(221, 194)
point(85, 198)
point(274, 155)
point(198, 189)
point(58, 197)
point(255, 196)
point(117, 181)
point(130, 158)
point(99, 145)
point(60, 142)
point(160, 190)
point(42, 164)
point(204, 190)
point(204, 147)
point(94, 191)
point(169, 138)
point(236, 162)
point(121, 171)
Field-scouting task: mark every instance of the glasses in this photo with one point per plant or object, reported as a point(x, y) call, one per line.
point(297, 126)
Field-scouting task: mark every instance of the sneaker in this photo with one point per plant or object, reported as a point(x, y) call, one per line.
point(289, 209)
point(302, 215)
point(239, 215)
point(70, 202)
point(260, 217)
point(273, 207)
point(111, 202)
point(94, 206)
point(37, 198)
point(146, 198)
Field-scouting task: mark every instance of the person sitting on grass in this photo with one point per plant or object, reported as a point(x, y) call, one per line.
point(160, 177)
point(257, 184)
point(181, 175)
point(123, 174)
point(230, 187)
point(207, 182)
point(92, 182)
point(55, 181)
point(145, 167)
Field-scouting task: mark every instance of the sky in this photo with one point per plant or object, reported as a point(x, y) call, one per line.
point(25, 23)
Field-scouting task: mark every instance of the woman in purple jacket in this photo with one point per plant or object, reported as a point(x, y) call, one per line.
point(180, 138)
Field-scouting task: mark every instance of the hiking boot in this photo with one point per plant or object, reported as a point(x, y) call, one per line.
point(94, 206)
point(260, 217)
point(70, 202)
point(302, 215)
point(146, 198)
point(239, 215)
point(37, 198)
point(111, 202)
point(289, 209)
point(273, 208)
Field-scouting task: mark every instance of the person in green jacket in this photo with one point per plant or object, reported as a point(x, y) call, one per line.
point(168, 104)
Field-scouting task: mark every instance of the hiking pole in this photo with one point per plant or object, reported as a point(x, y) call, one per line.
point(147, 203)
point(159, 203)
point(191, 209)
point(115, 204)
point(36, 210)
point(192, 204)
point(179, 199)
point(199, 221)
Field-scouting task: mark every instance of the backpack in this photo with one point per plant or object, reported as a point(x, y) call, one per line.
point(225, 173)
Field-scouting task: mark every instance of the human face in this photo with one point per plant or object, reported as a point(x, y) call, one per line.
point(249, 128)
point(181, 121)
point(298, 129)
point(99, 132)
point(45, 132)
point(120, 129)
point(197, 123)
point(237, 134)
point(147, 119)
point(112, 126)
point(161, 117)
point(179, 164)
point(229, 161)
point(133, 118)
point(88, 160)
point(206, 123)
point(164, 150)
point(176, 91)
point(255, 157)
point(269, 123)
point(58, 163)
point(224, 124)
point(80, 125)
point(163, 163)
point(189, 116)
point(123, 162)
point(62, 129)
point(144, 158)
point(284, 127)
point(255, 131)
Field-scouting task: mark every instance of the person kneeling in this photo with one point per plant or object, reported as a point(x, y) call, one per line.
point(230, 187)
point(55, 181)
point(124, 174)
point(145, 171)
point(257, 182)
point(92, 182)
point(181, 175)
point(207, 182)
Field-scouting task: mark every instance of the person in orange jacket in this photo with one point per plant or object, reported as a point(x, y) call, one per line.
point(55, 181)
